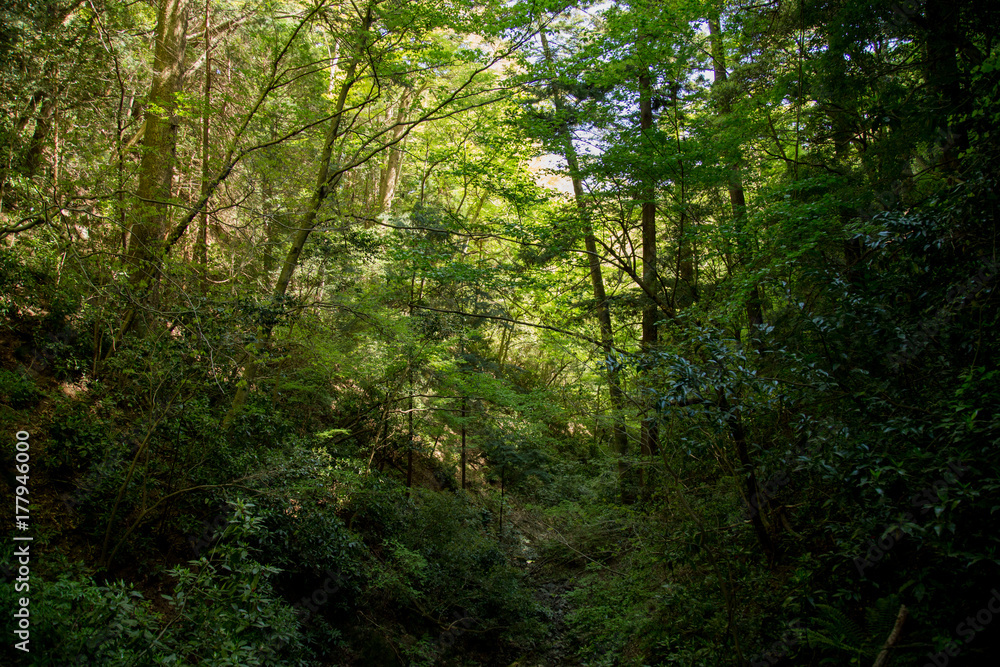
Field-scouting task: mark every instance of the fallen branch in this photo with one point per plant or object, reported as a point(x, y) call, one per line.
point(897, 630)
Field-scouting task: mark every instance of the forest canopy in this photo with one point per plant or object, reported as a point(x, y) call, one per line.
point(386, 332)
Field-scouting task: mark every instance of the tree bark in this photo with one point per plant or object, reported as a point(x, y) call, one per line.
point(201, 245)
point(897, 630)
point(737, 197)
point(685, 249)
point(617, 395)
point(390, 177)
point(409, 412)
point(750, 486)
point(159, 145)
point(325, 186)
point(39, 138)
point(755, 318)
point(649, 431)
point(945, 80)
point(464, 405)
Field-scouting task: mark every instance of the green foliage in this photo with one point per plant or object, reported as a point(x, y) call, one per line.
point(260, 426)
point(82, 623)
point(18, 391)
point(461, 567)
point(224, 610)
point(824, 379)
point(221, 611)
point(301, 533)
point(16, 283)
point(444, 563)
point(77, 437)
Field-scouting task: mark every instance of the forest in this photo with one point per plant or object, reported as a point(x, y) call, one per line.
point(500, 333)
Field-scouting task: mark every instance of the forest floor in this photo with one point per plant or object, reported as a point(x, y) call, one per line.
point(550, 594)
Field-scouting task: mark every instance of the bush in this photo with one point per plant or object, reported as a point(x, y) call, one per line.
point(77, 622)
point(222, 611)
point(18, 391)
point(15, 279)
point(448, 561)
point(77, 438)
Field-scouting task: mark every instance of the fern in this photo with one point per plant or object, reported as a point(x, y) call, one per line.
point(835, 629)
point(881, 618)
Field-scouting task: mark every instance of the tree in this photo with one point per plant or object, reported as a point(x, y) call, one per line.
point(602, 309)
point(347, 147)
point(737, 197)
point(158, 145)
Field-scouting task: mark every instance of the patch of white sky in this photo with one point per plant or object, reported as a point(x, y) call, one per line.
point(576, 24)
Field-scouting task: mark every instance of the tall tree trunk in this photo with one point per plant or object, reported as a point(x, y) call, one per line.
point(737, 198)
point(409, 411)
point(159, 144)
point(685, 249)
point(649, 432)
point(754, 312)
point(464, 413)
point(390, 177)
point(325, 186)
point(503, 477)
point(944, 78)
point(201, 245)
point(45, 102)
point(751, 489)
point(409, 449)
point(617, 395)
point(40, 136)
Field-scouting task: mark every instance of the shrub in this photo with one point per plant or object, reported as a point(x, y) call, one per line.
point(18, 391)
point(77, 438)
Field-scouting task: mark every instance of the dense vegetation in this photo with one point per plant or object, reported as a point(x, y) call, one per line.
point(507, 333)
